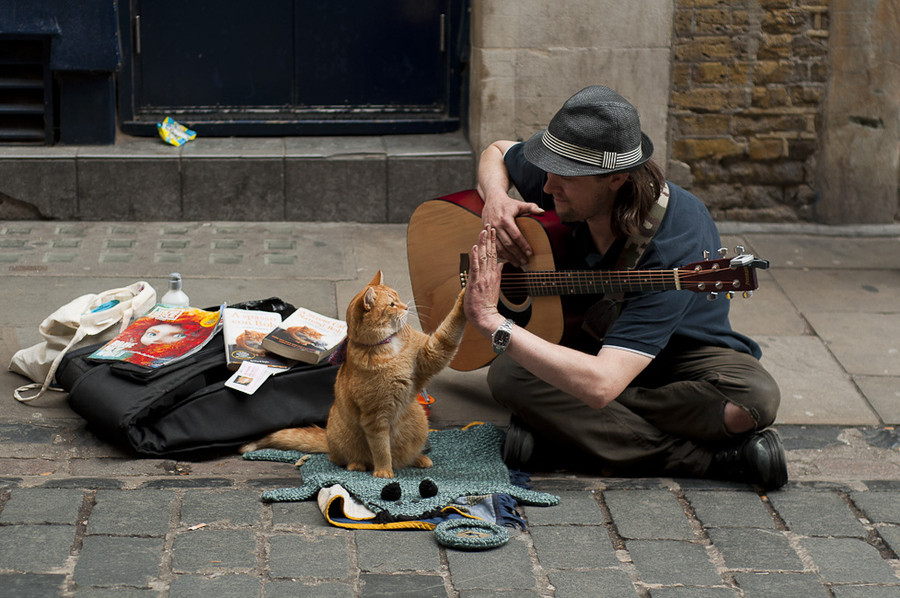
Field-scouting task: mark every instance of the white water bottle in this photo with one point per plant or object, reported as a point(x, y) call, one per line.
point(175, 296)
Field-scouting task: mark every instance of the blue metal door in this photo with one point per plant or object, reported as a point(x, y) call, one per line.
point(232, 67)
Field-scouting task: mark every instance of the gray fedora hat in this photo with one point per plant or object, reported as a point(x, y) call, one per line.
point(597, 131)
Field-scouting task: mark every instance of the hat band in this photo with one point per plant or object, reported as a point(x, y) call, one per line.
point(607, 160)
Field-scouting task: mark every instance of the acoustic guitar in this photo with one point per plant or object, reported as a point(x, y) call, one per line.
point(441, 232)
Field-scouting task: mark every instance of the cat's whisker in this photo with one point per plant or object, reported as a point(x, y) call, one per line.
point(414, 310)
point(419, 310)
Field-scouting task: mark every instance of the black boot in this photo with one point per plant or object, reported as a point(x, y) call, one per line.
point(519, 444)
point(758, 459)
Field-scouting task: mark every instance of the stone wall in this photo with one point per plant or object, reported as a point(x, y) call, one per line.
point(859, 160)
point(748, 89)
point(769, 110)
point(530, 56)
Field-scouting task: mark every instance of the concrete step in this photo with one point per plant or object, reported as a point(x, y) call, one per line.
point(377, 179)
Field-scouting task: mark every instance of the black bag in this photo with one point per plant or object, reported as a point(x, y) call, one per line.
point(185, 407)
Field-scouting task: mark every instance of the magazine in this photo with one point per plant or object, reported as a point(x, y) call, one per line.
point(163, 335)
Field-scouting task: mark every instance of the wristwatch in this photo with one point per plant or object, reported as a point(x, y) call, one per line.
point(501, 336)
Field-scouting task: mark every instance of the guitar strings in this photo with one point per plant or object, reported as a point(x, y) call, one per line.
point(525, 281)
point(536, 282)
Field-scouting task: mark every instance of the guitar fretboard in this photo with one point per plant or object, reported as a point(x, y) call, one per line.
point(578, 282)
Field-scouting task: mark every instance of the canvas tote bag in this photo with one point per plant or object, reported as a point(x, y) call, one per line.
point(89, 319)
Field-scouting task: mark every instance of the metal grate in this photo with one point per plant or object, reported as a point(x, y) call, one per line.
point(25, 96)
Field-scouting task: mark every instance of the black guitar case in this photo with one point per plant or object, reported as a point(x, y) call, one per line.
point(185, 407)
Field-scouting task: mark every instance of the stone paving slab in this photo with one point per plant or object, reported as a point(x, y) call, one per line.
point(670, 562)
point(727, 508)
point(817, 514)
point(769, 312)
point(867, 290)
point(761, 585)
point(849, 252)
point(849, 560)
point(815, 388)
point(863, 342)
point(883, 393)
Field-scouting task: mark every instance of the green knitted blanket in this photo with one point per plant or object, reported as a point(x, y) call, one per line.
point(466, 463)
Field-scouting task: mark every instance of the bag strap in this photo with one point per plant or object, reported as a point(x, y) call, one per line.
point(18, 393)
point(600, 316)
point(93, 322)
point(638, 243)
point(20, 396)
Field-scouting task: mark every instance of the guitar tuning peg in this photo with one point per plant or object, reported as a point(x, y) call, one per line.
point(705, 254)
point(740, 260)
point(729, 295)
point(747, 294)
point(723, 251)
point(739, 249)
point(712, 296)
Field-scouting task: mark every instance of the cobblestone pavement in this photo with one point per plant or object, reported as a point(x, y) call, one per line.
point(170, 528)
point(79, 517)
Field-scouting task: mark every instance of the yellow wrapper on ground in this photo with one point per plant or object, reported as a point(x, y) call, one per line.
point(174, 133)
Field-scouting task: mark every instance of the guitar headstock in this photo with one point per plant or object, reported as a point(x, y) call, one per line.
point(724, 275)
point(463, 269)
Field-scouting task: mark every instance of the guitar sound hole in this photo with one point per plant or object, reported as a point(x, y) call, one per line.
point(513, 289)
point(515, 303)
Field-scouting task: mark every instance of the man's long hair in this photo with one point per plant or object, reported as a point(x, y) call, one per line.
point(635, 198)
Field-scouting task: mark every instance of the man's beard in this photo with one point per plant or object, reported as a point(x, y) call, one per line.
point(566, 215)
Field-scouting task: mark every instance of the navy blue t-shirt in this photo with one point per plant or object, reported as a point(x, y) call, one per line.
point(648, 321)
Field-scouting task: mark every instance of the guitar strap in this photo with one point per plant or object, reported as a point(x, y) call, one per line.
point(601, 315)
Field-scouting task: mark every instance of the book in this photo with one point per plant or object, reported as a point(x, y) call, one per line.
point(244, 331)
point(163, 335)
point(306, 336)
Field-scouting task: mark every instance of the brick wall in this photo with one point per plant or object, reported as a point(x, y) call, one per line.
point(748, 88)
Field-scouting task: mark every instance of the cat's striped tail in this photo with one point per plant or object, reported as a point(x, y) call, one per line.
point(308, 440)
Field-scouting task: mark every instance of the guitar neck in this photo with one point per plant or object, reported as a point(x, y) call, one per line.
point(589, 282)
point(726, 275)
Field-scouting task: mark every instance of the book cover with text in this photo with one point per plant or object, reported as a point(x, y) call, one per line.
point(306, 336)
point(244, 331)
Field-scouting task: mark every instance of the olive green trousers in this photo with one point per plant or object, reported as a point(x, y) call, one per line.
point(669, 421)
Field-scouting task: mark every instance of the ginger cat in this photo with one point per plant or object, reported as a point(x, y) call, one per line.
point(375, 421)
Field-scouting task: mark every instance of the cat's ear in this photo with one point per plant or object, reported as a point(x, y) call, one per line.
point(377, 281)
point(369, 299)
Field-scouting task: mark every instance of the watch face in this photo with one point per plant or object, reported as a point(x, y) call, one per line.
point(500, 339)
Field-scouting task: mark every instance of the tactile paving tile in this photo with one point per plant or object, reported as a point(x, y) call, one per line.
point(276, 250)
